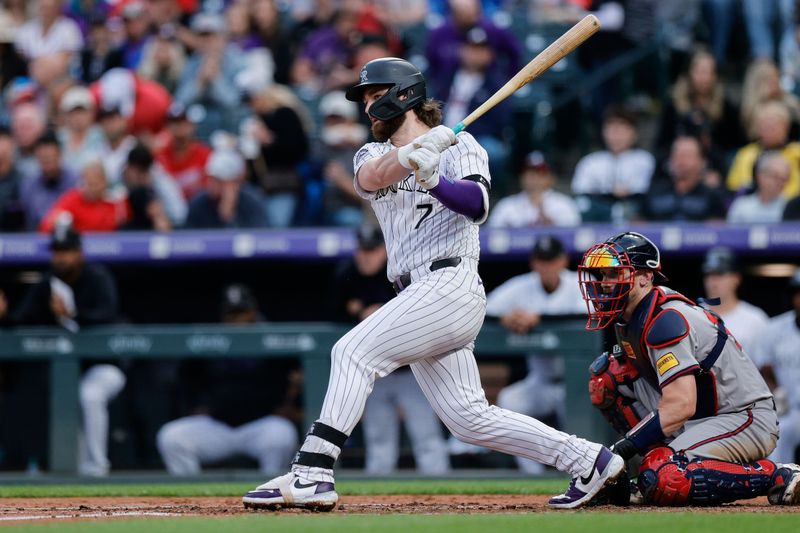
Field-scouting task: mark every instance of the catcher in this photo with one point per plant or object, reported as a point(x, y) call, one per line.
point(678, 387)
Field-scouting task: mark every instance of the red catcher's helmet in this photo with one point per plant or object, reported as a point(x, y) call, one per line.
point(625, 254)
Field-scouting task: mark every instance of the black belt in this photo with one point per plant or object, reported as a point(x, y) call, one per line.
point(405, 279)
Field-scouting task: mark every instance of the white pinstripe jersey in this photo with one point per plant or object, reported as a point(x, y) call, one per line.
point(417, 228)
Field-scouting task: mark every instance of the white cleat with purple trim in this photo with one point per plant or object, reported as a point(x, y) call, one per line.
point(290, 490)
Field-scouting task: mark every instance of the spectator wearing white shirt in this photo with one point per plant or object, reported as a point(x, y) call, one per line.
point(722, 278)
point(606, 181)
point(49, 42)
point(520, 303)
point(766, 204)
point(537, 204)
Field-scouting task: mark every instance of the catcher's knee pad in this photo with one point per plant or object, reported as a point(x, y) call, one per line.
point(670, 479)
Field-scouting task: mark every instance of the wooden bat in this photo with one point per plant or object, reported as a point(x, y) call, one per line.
point(548, 57)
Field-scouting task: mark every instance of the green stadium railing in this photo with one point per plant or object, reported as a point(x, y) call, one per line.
point(310, 342)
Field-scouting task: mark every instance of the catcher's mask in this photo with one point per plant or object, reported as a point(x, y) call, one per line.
point(401, 77)
point(607, 271)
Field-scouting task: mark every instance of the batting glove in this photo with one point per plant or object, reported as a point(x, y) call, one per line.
point(427, 162)
point(439, 138)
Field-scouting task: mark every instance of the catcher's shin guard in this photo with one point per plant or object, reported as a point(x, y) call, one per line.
point(671, 479)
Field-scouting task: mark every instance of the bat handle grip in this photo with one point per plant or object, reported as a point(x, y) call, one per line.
point(458, 128)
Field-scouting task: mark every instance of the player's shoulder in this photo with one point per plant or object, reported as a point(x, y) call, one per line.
point(669, 326)
point(783, 321)
point(753, 312)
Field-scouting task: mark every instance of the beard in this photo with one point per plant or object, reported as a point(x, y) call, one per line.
point(383, 130)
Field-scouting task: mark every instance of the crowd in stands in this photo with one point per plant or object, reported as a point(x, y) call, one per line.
point(124, 112)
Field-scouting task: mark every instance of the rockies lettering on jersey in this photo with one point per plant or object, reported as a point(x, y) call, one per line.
point(406, 211)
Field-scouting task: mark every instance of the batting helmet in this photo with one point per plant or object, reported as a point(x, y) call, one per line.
point(402, 77)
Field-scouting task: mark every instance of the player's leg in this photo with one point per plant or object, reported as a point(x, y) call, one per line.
point(381, 426)
point(718, 460)
point(523, 397)
point(188, 442)
point(270, 440)
point(452, 385)
point(423, 426)
point(99, 385)
point(434, 315)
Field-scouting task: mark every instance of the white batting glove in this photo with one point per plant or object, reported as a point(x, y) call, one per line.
point(439, 138)
point(427, 162)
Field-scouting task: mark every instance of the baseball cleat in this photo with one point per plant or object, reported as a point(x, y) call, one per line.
point(607, 469)
point(786, 490)
point(290, 490)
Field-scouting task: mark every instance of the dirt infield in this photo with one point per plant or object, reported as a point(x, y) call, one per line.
point(16, 510)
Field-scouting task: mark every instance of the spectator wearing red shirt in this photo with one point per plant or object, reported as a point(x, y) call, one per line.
point(90, 204)
point(184, 157)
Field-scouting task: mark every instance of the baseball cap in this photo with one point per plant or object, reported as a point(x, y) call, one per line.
point(476, 35)
point(370, 237)
point(77, 97)
point(64, 236)
point(336, 103)
point(236, 298)
point(225, 165)
point(537, 161)
point(208, 23)
point(133, 10)
point(547, 247)
point(720, 260)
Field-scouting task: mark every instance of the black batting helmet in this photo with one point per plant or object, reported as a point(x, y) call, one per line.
point(402, 77)
point(641, 252)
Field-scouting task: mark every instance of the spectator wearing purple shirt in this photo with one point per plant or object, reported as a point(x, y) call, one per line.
point(39, 193)
point(444, 44)
point(136, 22)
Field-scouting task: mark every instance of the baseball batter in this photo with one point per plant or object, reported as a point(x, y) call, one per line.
point(709, 418)
point(429, 217)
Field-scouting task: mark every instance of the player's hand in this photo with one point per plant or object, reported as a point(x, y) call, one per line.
point(426, 162)
point(438, 139)
point(3, 305)
point(57, 307)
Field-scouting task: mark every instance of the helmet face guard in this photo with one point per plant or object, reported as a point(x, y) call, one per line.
point(390, 105)
point(605, 298)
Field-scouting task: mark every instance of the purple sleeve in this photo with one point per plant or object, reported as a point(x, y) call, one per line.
point(462, 196)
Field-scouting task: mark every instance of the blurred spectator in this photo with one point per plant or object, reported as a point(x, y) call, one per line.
point(208, 79)
point(471, 84)
point(722, 278)
point(402, 14)
point(322, 63)
point(99, 55)
point(12, 64)
point(606, 183)
point(234, 406)
point(142, 173)
point(700, 107)
point(49, 42)
point(769, 22)
point(184, 158)
point(270, 33)
point(772, 120)
point(792, 210)
point(28, 124)
point(118, 143)
point(277, 142)
point(776, 355)
point(90, 204)
point(72, 295)
point(719, 18)
point(685, 196)
point(762, 84)
point(136, 29)
point(340, 137)
point(163, 59)
point(39, 192)
point(239, 31)
point(549, 289)
point(227, 202)
point(12, 217)
point(146, 212)
point(537, 203)
point(360, 288)
point(443, 47)
point(143, 103)
point(81, 140)
point(766, 204)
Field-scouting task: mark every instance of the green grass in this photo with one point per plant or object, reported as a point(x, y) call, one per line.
point(556, 522)
point(366, 487)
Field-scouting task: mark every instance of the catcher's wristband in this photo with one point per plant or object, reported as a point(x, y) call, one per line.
point(642, 436)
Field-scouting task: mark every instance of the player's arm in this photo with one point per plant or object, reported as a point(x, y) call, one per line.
point(678, 403)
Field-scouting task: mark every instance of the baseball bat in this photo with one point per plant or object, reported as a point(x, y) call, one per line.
point(548, 57)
